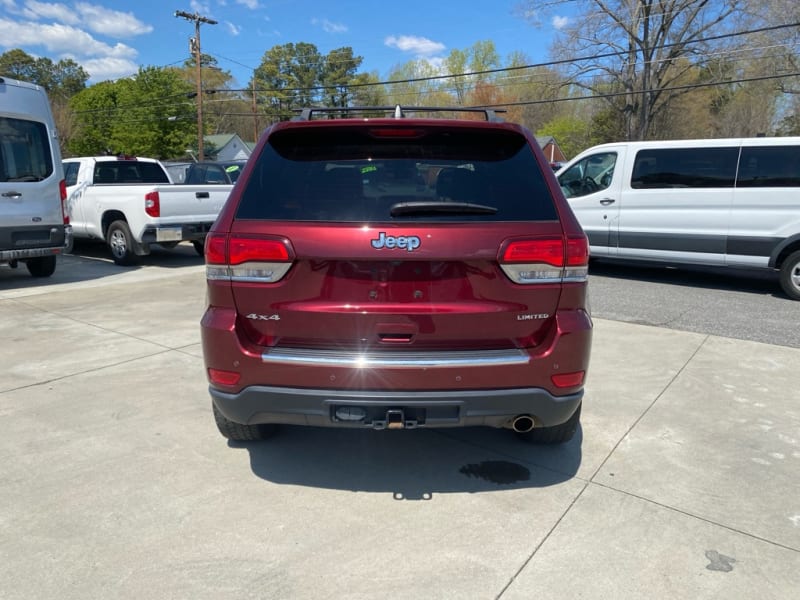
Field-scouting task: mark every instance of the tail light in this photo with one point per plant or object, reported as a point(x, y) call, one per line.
point(62, 189)
point(566, 380)
point(152, 204)
point(546, 260)
point(244, 258)
point(221, 377)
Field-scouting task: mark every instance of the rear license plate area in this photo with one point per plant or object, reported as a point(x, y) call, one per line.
point(169, 234)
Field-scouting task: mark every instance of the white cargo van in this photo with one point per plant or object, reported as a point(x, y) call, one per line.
point(33, 226)
point(725, 202)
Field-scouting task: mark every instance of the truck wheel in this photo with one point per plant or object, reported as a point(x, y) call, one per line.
point(120, 241)
point(239, 432)
point(790, 275)
point(44, 266)
point(199, 247)
point(558, 434)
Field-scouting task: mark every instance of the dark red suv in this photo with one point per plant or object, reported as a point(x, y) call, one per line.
point(397, 272)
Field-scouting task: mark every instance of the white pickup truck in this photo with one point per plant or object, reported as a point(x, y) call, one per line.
point(130, 203)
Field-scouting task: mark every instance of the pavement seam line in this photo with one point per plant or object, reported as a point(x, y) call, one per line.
point(93, 370)
point(650, 406)
point(542, 541)
point(694, 516)
point(100, 327)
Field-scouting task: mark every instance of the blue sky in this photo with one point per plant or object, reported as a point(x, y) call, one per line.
point(111, 39)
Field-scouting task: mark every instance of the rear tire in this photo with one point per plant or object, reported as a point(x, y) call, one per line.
point(43, 266)
point(120, 242)
point(790, 275)
point(558, 434)
point(199, 247)
point(238, 432)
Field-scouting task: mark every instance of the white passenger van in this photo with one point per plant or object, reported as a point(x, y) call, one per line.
point(726, 202)
point(33, 225)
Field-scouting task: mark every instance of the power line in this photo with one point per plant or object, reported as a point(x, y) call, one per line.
point(471, 76)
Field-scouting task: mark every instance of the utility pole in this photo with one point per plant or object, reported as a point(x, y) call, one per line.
point(255, 114)
point(194, 48)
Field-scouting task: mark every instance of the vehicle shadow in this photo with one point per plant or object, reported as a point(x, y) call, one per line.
point(90, 261)
point(750, 281)
point(159, 255)
point(411, 464)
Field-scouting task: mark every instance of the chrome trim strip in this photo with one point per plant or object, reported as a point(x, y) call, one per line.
point(395, 360)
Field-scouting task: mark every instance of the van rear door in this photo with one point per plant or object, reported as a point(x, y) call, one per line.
point(31, 210)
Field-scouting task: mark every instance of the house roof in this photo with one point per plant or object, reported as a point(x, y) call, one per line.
point(220, 140)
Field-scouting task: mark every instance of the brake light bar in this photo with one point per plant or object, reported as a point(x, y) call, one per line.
point(62, 188)
point(396, 132)
point(260, 259)
point(546, 260)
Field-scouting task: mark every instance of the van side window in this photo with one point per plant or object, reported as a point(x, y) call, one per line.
point(769, 166)
point(684, 168)
point(592, 174)
point(24, 150)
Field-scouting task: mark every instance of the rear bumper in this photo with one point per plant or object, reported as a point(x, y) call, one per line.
point(21, 243)
point(323, 408)
point(175, 232)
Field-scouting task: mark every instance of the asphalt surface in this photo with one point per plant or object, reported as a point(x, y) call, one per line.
point(682, 481)
point(747, 305)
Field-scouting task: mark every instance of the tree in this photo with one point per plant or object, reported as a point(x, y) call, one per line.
point(571, 133)
point(340, 69)
point(408, 91)
point(637, 46)
point(293, 76)
point(223, 110)
point(61, 80)
point(149, 114)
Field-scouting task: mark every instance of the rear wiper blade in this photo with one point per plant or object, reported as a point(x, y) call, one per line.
point(432, 208)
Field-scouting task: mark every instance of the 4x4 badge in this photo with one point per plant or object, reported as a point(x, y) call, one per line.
point(403, 242)
point(257, 317)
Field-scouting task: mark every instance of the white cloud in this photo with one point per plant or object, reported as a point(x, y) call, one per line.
point(61, 39)
point(560, 22)
point(233, 29)
point(329, 26)
point(202, 8)
point(103, 69)
point(251, 4)
point(100, 60)
point(419, 46)
point(45, 10)
point(110, 22)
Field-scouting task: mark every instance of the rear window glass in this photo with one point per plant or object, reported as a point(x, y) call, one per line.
point(129, 171)
point(773, 166)
point(24, 150)
point(685, 168)
point(363, 174)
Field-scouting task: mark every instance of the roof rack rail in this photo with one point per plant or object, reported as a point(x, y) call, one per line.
point(397, 111)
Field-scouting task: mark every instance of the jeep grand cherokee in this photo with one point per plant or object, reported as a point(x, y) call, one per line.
point(395, 272)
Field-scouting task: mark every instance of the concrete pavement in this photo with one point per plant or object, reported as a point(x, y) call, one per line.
point(683, 481)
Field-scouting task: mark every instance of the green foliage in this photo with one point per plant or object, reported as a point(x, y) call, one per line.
point(294, 76)
point(149, 114)
point(62, 79)
point(571, 134)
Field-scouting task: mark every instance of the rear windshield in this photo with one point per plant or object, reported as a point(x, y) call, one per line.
point(25, 153)
point(129, 171)
point(396, 174)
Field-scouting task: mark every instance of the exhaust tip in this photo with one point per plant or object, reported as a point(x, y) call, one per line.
point(522, 423)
